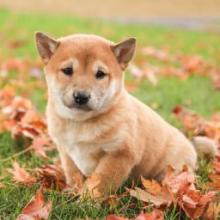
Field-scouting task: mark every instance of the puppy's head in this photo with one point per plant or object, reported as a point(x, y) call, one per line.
point(83, 72)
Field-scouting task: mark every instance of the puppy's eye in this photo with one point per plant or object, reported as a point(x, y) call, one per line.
point(100, 74)
point(67, 71)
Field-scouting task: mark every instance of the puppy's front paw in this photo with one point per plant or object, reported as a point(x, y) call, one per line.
point(75, 182)
point(92, 187)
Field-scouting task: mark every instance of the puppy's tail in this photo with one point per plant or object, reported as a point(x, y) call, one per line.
point(205, 145)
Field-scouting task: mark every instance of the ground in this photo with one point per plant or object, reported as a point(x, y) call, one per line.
point(196, 93)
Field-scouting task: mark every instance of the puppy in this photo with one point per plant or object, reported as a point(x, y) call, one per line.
point(101, 131)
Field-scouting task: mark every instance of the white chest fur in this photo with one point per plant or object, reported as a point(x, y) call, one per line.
point(82, 157)
point(80, 148)
point(82, 143)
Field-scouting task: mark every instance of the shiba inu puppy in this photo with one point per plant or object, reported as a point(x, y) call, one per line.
point(100, 130)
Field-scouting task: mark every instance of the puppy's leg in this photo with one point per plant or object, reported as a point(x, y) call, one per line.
point(112, 170)
point(71, 172)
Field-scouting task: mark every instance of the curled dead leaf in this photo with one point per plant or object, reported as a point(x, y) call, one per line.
point(158, 200)
point(151, 186)
point(36, 209)
point(115, 217)
point(51, 176)
point(156, 214)
point(20, 175)
point(40, 145)
point(213, 211)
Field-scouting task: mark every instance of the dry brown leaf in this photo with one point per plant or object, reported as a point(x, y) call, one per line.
point(20, 175)
point(198, 126)
point(40, 145)
point(213, 211)
point(215, 181)
point(192, 63)
point(136, 71)
point(216, 164)
point(157, 200)
point(6, 96)
point(114, 217)
point(51, 176)
point(13, 64)
point(156, 53)
point(36, 209)
point(194, 203)
point(176, 182)
point(156, 214)
point(151, 186)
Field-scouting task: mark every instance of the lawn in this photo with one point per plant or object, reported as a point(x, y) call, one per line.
point(197, 93)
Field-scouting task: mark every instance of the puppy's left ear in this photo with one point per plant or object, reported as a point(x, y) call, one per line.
point(124, 51)
point(46, 46)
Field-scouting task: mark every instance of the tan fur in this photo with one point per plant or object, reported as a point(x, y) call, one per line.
point(121, 136)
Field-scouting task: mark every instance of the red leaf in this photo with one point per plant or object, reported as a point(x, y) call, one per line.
point(52, 176)
point(154, 215)
point(192, 201)
point(177, 109)
point(215, 181)
point(40, 145)
point(20, 175)
point(114, 217)
point(196, 203)
point(164, 198)
point(36, 208)
point(151, 186)
point(178, 182)
point(216, 164)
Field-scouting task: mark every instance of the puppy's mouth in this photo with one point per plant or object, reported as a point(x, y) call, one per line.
point(74, 106)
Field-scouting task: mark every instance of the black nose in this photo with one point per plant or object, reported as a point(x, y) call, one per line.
point(81, 98)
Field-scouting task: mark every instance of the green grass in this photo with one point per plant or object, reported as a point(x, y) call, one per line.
point(197, 93)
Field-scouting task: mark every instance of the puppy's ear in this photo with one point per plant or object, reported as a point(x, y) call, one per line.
point(46, 46)
point(124, 51)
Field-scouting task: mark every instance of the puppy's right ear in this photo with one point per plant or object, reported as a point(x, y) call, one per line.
point(46, 46)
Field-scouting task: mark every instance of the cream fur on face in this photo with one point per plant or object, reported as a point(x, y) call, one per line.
point(98, 102)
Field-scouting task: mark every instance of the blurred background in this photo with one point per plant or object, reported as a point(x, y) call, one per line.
point(189, 13)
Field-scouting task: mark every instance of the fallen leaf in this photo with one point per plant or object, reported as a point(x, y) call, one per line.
point(17, 65)
point(156, 214)
point(115, 217)
point(151, 186)
point(136, 71)
point(20, 175)
point(176, 182)
point(177, 109)
point(156, 53)
point(150, 74)
point(157, 200)
point(191, 200)
point(51, 176)
point(196, 203)
point(16, 43)
point(36, 209)
point(40, 145)
point(192, 63)
point(6, 96)
point(213, 211)
point(215, 181)
point(216, 164)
